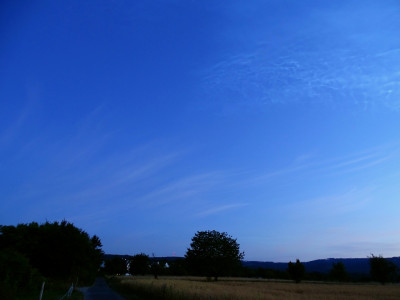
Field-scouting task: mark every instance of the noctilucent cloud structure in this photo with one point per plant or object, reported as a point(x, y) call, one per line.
point(143, 122)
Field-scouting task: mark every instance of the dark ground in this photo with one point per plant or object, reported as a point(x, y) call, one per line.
point(100, 291)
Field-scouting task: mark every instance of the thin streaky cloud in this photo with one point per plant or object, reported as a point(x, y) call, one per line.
point(116, 173)
point(315, 166)
point(254, 80)
point(362, 160)
point(366, 165)
point(15, 128)
point(220, 209)
point(114, 178)
point(262, 178)
point(356, 160)
point(183, 187)
point(346, 70)
point(351, 200)
point(133, 172)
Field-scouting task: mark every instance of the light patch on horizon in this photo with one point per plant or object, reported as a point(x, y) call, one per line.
point(357, 248)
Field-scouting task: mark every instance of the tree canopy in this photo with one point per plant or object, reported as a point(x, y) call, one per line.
point(213, 254)
point(115, 266)
point(296, 270)
point(338, 272)
point(56, 250)
point(381, 269)
point(140, 264)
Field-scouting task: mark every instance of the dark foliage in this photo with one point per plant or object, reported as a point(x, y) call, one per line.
point(177, 267)
point(140, 264)
point(316, 276)
point(56, 250)
point(115, 266)
point(296, 271)
point(16, 274)
point(158, 266)
point(382, 270)
point(265, 273)
point(213, 254)
point(338, 272)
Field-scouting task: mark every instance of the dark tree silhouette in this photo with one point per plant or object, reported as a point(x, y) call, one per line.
point(56, 250)
point(213, 254)
point(140, 264)
point(338, 272)
point(296, 271)
point(16, 274)
point(155, 268)
point(177, 267)
point(381, 269)
point(115, 266)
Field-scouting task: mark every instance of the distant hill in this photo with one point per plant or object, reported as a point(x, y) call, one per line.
point(352, 265)
point(128, 257)
point(110, 256)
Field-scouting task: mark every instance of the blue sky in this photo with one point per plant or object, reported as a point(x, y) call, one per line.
point(145, 121)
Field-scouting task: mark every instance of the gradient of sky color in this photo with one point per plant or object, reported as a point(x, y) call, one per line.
point(142, 122)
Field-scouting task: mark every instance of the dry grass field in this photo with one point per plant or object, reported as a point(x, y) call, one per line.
point(172, 288)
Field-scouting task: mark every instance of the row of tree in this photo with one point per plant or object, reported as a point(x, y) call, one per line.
point(31, 252)
point(381, 270)
point(139, 264)
point(213, 254)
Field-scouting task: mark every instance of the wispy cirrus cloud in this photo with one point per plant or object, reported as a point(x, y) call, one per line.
point(334, 63)
point(330, 206)
point(220, 209)
point(184, 198)
point(185, 187)
point(317, 165)
point(364, 160)
point(331, 77)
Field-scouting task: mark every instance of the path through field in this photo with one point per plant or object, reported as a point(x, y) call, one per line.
point(100, 291)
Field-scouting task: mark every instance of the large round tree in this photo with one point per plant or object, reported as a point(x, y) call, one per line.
point(213, 254)
point(140, 264)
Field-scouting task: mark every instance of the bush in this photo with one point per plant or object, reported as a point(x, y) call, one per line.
point(17, 275)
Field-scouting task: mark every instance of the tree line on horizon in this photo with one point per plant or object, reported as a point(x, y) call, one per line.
point(381, 270)
point(213, 254)
point(31, 253)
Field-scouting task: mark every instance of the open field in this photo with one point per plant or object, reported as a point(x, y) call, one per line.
point(171, 288)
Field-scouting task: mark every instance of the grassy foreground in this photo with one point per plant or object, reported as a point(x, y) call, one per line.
point(179, 288)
